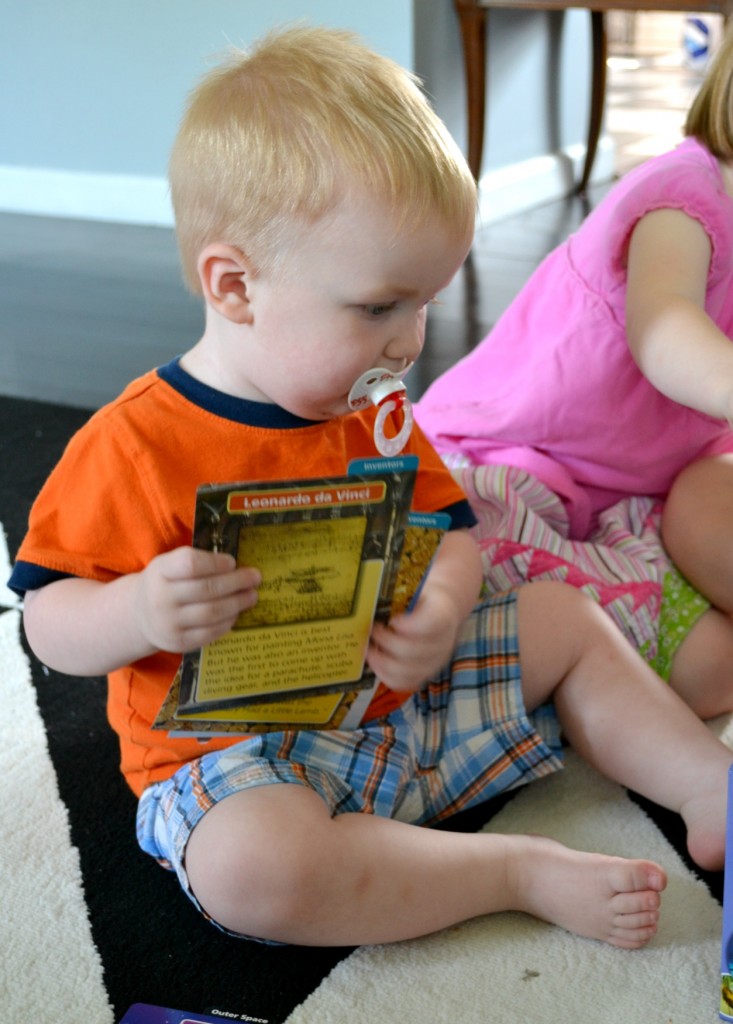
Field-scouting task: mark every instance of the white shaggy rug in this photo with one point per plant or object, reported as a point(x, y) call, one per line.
point(490, 971)
point(49, 967)
point(510, 967)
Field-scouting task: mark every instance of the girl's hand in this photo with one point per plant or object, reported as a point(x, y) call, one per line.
point(189, 597)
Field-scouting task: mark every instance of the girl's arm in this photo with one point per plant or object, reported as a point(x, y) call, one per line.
point(674, 342)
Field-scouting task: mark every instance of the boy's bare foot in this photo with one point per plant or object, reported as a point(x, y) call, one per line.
point(594, 895)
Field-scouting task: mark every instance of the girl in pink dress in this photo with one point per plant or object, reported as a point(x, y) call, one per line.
point(591, 427)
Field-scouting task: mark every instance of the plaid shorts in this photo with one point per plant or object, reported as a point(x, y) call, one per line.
point(464, 738)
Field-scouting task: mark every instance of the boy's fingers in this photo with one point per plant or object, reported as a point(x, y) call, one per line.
point(193, 563)
point(185, 563)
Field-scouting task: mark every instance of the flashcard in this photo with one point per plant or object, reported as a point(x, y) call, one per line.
point(143, 1013)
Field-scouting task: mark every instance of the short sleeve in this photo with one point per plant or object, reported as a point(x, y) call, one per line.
point(689, 180)
point(97, 516)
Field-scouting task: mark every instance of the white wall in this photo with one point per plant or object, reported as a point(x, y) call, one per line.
point(91, 92)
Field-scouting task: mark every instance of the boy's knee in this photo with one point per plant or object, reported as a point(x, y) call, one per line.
point(557, 624)
point(256, 898)
point(254, 874)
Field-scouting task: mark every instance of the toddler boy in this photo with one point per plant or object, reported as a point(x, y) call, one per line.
point(320, 206)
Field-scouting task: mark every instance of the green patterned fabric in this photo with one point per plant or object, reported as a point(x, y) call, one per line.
point(681, 608)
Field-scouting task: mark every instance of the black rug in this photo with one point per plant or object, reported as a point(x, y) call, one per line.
point(155, 948)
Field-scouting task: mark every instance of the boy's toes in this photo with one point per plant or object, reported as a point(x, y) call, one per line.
point(634, 929)
point(637, 922)
point(635, 938)
point(633, 903)
point(633, 878)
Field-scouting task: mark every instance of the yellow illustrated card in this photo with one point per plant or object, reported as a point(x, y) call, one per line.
point(254, 663)
point(309, 710)
point(309, 569)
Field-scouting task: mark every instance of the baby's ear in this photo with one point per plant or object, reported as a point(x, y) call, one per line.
point(224, 273)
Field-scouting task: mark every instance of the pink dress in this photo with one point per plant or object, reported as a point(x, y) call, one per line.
point(564, 449)
point(553, 388)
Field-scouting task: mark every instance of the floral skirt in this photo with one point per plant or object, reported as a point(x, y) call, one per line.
point(523, 534)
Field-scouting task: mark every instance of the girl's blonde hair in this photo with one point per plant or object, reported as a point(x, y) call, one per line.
point(273, 138)
point(710, 118)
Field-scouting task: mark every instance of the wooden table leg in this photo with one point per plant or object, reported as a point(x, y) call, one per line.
point(472, 20)
point(473, 24)
point(598, 93)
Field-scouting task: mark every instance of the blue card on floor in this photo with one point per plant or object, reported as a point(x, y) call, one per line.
point(726, 960)
point(143, 1013)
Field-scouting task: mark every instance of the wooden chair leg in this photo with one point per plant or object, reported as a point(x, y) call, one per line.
point(472, 21)
point(598, 93)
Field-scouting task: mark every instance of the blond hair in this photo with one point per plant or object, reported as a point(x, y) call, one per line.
point(710, 118)
point(275, 137)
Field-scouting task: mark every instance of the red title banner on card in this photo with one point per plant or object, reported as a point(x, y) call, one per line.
point(304, 497)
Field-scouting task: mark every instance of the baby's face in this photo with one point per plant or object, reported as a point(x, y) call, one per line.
point(351, 294)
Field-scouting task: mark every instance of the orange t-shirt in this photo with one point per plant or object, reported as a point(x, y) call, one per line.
point(124, 491)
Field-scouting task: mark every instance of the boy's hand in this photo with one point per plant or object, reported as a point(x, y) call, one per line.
point(189, 597)
point(409, 651)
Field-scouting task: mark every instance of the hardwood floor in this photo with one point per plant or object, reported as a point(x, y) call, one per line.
point(88, 306)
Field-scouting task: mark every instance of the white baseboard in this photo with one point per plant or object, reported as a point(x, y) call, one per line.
point(145, 200)
point(539, 180)
point(106, 197)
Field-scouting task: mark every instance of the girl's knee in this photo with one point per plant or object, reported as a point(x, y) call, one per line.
point(704, 485)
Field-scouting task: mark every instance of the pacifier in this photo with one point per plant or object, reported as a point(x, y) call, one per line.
point(385, 390)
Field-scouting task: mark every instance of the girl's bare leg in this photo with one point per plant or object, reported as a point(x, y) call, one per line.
point(702, 670)
point(697, 529)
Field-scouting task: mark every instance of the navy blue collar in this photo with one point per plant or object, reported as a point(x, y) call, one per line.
point(240, 410)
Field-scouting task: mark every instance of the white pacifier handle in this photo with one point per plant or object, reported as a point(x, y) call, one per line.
point(384, 389)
